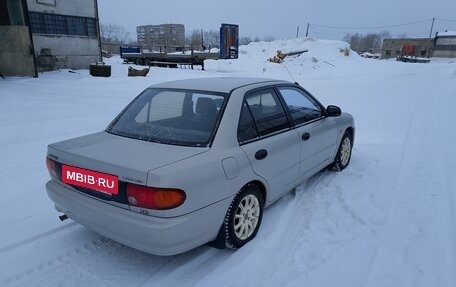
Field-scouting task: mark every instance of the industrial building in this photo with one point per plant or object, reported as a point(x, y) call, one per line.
point(442, 45)
point(445, 44)
point(43, 35)
point(162, 38)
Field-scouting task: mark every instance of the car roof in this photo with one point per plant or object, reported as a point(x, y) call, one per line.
point(216, 84)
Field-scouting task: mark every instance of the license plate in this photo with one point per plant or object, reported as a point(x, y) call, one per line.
point(98, 181)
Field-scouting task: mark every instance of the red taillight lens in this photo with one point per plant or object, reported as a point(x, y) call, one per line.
point(50, 164)
point(154, 198)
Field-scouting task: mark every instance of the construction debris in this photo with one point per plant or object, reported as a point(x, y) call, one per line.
point(329, 63)
point(132, 72)
point(281, 56)
point(345, 51)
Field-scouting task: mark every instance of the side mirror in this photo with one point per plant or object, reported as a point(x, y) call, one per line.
point(333, 111)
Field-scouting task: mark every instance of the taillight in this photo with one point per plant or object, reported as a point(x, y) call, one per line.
point(51, 166)
point(154, 198)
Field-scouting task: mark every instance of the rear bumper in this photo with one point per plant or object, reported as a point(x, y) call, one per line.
point(155, 235)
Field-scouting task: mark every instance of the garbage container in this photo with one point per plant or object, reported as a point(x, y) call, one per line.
point(100, 69)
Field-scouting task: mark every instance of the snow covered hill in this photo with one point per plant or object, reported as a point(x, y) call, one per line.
point(389, 219)
point(322, 55)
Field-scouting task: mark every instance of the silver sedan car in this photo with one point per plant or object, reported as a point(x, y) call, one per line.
point(195, 161)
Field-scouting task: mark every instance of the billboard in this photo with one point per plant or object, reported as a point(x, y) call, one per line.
point(229, 41)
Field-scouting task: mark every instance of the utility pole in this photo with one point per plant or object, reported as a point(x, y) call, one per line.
point(202, 40)
point(432, 27)
point(297, 32)
point(307, 30)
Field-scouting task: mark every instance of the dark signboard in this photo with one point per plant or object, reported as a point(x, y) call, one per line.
point(229, 41)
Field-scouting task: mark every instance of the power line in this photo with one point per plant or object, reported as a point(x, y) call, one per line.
point(367, 28)
point(445, 20)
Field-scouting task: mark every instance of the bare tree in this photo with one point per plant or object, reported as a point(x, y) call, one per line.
point(194, 39)
point(361, 43)
point(354, 40)
point(211, 38)
point(268, 39)
point(244, 40)
point(114, 33)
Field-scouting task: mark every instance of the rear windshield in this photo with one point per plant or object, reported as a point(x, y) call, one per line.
point(178, 117)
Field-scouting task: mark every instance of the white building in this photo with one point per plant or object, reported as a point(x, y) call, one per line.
point(164, 38)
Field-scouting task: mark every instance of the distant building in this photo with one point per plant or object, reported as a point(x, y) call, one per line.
point(41, 35)
point(165, 37)
point(442, 45)
point(392, 47)
point(445, 44)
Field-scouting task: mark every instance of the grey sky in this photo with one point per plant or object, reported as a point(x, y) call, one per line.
point(280, 18)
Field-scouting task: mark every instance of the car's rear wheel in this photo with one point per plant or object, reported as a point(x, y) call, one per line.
point(243, 218)
point(343, 155)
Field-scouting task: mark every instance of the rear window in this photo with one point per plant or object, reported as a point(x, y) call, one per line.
point(178, 117)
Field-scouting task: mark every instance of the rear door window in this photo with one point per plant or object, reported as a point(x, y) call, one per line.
point(262, 114)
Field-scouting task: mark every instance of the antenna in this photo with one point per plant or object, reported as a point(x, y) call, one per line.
point(288, 71)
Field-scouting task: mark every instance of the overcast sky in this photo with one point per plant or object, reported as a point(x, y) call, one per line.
point(280, 18)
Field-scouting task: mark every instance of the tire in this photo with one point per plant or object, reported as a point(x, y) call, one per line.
point(139, 62)
point(243, 218)
point(343, 155)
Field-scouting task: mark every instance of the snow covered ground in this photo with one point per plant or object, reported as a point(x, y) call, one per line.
point(389, 219)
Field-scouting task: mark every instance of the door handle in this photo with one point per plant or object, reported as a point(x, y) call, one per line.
point(261, 154)
point(305, 136)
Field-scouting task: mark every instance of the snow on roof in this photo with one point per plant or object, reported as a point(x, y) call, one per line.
point(446, 33)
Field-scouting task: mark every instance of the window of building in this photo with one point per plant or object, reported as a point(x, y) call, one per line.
point(43, 23)
point(388, 52)
point(445, 48)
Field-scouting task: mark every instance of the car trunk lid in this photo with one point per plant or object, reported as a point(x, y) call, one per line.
point(128, 159)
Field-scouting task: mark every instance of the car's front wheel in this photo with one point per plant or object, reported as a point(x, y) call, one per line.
point(243, 218)
point(343, 155)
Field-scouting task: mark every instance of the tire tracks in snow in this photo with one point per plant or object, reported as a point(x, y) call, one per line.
point(416, 245)
point(34, 239)
point(449, 185)
point(393, 203)
point(312, 222)
point(80, 257)
point(55, 271)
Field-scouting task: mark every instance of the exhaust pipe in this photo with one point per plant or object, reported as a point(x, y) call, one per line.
point(63, 217)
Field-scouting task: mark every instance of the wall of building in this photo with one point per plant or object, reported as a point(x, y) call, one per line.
point(15, 55)
point(82, 8)
point(66, 52)
point(444, 54)
point(57, 51)
point(392, 47)
point(445, 40)
point(445, 47)
point(440, 46)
